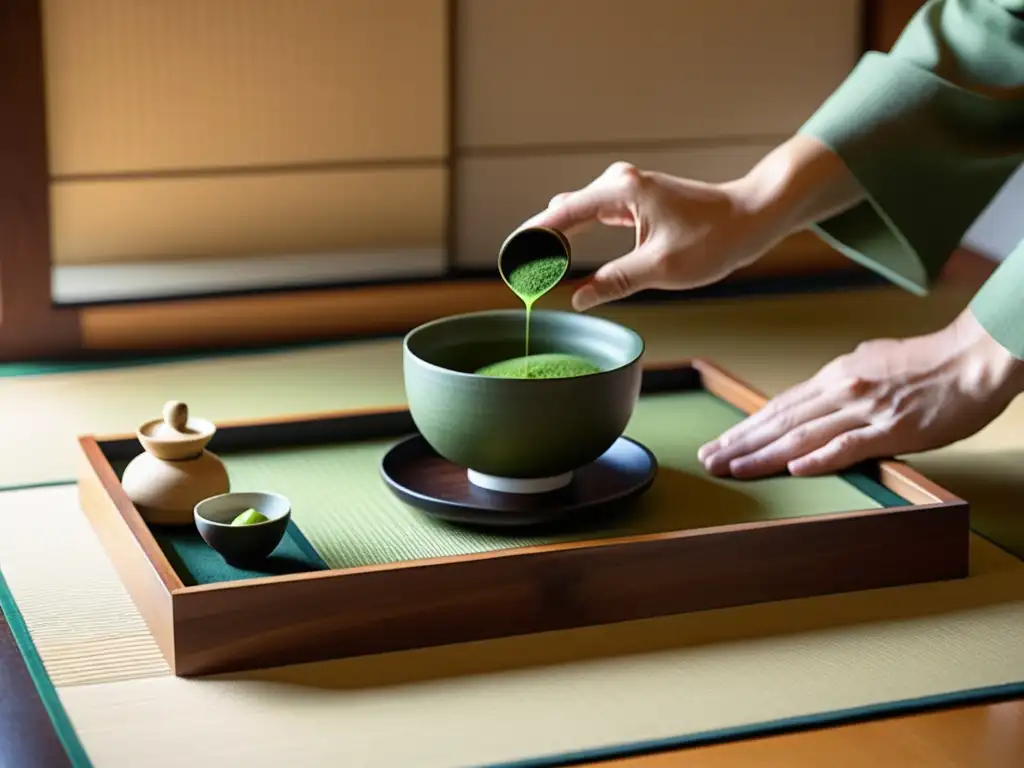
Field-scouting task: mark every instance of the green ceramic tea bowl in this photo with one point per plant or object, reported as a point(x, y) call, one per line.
point(514, 430)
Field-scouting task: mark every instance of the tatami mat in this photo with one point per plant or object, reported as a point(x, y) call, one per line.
point(774, 342)
point(670, 680)
point(352, 519)
point(81, 617)
point(583, 690)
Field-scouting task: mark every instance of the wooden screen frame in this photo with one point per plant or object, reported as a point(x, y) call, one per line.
point(33, 326)
point(30, 323)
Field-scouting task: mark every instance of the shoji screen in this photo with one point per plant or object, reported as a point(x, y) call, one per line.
point(197, 141)
point(550, 92)
point(205, 145)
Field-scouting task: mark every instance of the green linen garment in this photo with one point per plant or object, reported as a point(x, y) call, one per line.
point(932, 130)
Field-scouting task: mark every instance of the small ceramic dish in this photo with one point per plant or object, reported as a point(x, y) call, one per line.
point(243, 544)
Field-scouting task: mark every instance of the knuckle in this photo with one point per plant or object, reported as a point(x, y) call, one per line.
point(626, 176)
point(872, 346)
point(772, 417)
point(858, 387)
point(663, 263)
point(796, 437)
point(621, 168)
point(837, 367)
point(846, 442)
point(875, 347)
point(759, 416)
point(618, 281)
point(632, 183)
point(784, 420)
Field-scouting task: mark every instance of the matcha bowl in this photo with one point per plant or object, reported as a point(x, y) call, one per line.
point(517, 434)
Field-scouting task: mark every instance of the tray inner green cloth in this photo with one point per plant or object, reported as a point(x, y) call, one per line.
point(351, 519)
point(196, 563)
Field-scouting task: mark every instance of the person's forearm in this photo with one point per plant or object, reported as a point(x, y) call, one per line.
point(795, 185)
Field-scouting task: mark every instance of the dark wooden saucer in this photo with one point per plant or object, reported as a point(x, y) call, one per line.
point(420, 477)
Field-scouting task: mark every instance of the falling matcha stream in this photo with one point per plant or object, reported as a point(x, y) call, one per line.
point(532, 280)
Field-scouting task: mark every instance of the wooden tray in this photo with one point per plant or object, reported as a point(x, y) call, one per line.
point(333, 612)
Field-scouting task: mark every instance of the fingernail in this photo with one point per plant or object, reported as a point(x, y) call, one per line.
point(584, 298)
point(717, 466)
point(706, 450)
point(737, 467)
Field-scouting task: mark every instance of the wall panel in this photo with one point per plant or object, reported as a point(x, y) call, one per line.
point(599, 71)
point(143, 85)
point(229, 144)
point(214, 217)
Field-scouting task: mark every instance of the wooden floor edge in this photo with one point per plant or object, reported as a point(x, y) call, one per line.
point(262, 319)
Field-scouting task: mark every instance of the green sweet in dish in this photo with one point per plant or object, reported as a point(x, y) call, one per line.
point(532, 280)
point(548, 366)
point(250, 517)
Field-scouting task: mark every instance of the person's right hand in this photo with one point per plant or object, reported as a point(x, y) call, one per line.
point(688, 233)
point(691, 233)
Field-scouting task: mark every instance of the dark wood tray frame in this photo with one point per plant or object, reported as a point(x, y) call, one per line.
point(296, 618)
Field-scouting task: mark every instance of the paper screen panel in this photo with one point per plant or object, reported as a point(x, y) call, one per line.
point(577, 71)
point(273, 214)
point(182, 84)
point(496, 194)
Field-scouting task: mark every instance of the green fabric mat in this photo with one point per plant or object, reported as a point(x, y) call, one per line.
point(351, 519)
point(196, 563)
point(46, 368)
point(44, 686)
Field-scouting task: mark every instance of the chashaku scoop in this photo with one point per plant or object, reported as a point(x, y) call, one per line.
point(529, 245)
point(176, 435)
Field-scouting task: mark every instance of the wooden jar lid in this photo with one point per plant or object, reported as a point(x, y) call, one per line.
point(176, 435)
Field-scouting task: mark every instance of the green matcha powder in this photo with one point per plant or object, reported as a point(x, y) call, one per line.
point(549, 366)
point(529, 282)
point(532, 280)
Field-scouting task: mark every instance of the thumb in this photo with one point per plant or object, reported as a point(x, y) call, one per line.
point(618, 279)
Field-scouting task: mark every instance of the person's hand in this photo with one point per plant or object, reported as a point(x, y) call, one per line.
point(888, 397)
point(690, 233)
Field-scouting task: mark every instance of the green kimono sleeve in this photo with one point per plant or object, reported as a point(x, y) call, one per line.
point(931, 130)
point(999, 305)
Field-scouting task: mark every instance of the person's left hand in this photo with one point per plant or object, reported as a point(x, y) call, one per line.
point(888, 397)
